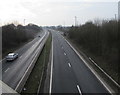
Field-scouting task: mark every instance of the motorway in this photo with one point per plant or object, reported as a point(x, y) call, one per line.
point(69, 72)
point(12, 72)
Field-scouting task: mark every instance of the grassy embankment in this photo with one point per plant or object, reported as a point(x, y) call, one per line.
point(35, 77)
point(13, 37)
point(85, 54)
point(100, 42)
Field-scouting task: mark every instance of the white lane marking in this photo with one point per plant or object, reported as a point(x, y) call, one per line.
point(26, 57)
point(51, 70)
point(25, 45)
point(20, 57)
point(64, 53)
point(62, 47)
point(2, 60)
point(104, 72)
point(33, 45)
point(89, 67)
point(79, 90)
point(27, 68)
point(69, 64)
point(24, 74)
point(7, 70)
point(91, 60)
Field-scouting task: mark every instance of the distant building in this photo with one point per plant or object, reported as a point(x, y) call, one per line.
point(119, 10)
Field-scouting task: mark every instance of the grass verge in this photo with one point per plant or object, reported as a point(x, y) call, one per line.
point(35, 78)
point(85, 54)
point(15, 48)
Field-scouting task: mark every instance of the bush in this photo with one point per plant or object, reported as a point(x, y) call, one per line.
point(13, 36)
point(99, 40)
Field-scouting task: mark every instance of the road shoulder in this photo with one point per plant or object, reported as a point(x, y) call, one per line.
point(101, 77)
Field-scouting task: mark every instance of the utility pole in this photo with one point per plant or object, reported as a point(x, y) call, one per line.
point(115, 17)
point(119, 10)
point(24, 22)
point(64, 24)
point(75, 21)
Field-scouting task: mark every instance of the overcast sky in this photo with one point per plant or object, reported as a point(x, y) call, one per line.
point(56, 12)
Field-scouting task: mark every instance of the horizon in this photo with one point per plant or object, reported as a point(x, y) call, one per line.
point(54, 13)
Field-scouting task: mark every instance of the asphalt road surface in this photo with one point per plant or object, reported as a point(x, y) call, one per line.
point(70, 74)
point(12, 72)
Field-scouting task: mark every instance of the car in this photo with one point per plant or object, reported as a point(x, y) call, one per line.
point(38, 36)
point(11, 56)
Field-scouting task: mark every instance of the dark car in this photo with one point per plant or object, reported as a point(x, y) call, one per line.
point(11, 56)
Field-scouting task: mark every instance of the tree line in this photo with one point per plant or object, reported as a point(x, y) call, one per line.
point(13, 36)
point(99, 39)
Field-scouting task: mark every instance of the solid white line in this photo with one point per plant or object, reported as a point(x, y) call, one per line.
point(7, 70)
point(64, 53)
point(104, 72)
point(2, 60)
point(92, 60)
point(33, 45)
point(24, 75)
point(89, 67)
point(79, 90)
point(50, 89)
point(26, 57)
point(20, 57)
point(69, 64)
point(27, 69)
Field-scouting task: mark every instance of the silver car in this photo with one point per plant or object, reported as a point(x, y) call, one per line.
point(11, 56)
